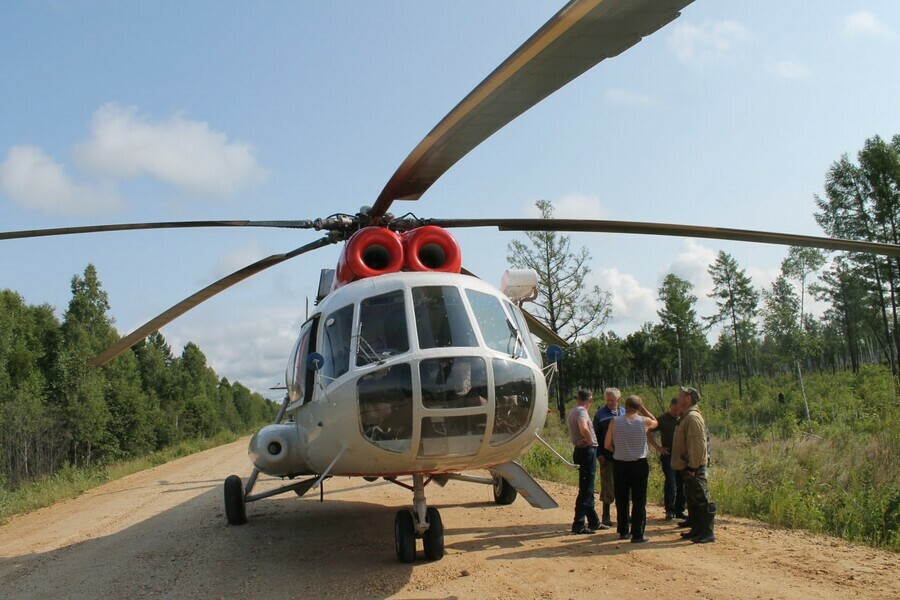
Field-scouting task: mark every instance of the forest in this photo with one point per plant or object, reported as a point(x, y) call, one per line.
point(58, 412)
point(803, 408)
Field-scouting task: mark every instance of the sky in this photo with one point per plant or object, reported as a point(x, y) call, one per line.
point(134, 111)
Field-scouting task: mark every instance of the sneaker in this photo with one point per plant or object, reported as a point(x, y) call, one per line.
point(608, 523)
point(598, 526)
point(669, 515)
point(640, 540)
point(582, 530)
point(680, 514)
point(623, 536)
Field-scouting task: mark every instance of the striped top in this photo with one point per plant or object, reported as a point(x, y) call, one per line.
point(630, 439)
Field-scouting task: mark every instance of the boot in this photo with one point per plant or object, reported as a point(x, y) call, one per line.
point(605, 519)
point(705, 533)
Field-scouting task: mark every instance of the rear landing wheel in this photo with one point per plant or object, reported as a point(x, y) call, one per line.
point(504, 493)
point(405, 536)
point(433, 538)
point(235, 508)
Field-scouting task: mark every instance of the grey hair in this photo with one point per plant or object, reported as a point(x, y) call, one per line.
point(613, 391)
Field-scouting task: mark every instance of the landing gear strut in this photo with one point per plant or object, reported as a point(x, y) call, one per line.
point(420, 522)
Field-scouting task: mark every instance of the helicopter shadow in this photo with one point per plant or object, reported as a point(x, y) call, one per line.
point(287, 549)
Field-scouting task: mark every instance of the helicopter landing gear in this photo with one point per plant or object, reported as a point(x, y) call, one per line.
point(504, 492)
point(235, 506)
point(420, 522)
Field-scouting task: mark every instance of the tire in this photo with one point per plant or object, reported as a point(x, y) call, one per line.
point(504, 493)
point(405, 536)
point(433, 539)
point(235, 507)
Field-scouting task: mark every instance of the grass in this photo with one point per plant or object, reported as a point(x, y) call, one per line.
point(71, 482)
point(839, 474)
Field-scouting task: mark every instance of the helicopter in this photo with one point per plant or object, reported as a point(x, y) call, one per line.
point(408, 366)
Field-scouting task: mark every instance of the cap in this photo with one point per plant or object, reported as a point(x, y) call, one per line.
point(693, 393)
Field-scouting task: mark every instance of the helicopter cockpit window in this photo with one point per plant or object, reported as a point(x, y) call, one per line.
point(441, 319)
point(336, 343)
point(452, 436)
point(516, 312)
point(498, 331)
point(382, 328)
point(514, 393)
point(458, 382)
point(298, 378)
point(385, 407)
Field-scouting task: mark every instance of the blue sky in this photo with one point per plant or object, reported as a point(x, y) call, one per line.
point(120, 112)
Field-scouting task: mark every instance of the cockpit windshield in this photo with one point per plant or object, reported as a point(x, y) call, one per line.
point(382, 328)
point(441, 318)
point(497, 329)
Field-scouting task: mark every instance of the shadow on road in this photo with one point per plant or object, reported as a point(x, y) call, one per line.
point(289, 549)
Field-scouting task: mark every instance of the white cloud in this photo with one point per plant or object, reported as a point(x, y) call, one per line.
point(865, 24)
point(246, 345)
point(691, 264)
point(185, 153)
point(707, 43)
point(632, 303)
point(627, 98)
point(572, 206)
point(34, 181)
point(788, 69)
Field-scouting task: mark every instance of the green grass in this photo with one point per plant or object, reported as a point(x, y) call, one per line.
point(71, 482)
point(838, 474)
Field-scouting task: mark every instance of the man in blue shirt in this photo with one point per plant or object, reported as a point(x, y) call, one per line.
point(605, 457)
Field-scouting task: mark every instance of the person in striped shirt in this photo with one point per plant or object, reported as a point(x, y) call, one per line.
point(627, 440)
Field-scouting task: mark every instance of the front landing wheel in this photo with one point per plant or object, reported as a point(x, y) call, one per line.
point(433, 538)
point(504, 493)
point(405, 536)
point(235, 508)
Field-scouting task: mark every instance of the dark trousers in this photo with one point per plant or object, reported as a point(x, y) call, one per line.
point(586, 459)
point(673, 488)
point(697, 492)
point(631, 480)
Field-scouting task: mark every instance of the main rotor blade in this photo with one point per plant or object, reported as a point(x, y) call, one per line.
point(580, 35)
point(205, 294)
point(12, 235)
point(694, 231)
point(541, 331)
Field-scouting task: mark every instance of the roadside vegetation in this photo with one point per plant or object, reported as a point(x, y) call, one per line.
point(66, 426)
point(837, 474)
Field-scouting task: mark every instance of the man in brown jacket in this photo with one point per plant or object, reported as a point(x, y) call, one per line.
point(689, 455)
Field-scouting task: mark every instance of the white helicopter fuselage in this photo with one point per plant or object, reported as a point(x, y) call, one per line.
point(407, 373)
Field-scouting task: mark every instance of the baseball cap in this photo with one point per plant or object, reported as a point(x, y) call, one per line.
point(693, 393)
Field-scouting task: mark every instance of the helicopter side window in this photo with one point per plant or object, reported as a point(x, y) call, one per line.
point(525, 332)
point(514, 393)
point(299, 378)
point(457, 382)
point(441, 319)
point(496, 328)
point(336, 343)
point(385, 407)
point(382, 328)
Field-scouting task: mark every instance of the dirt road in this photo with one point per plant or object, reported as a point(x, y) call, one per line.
point(162, 533)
